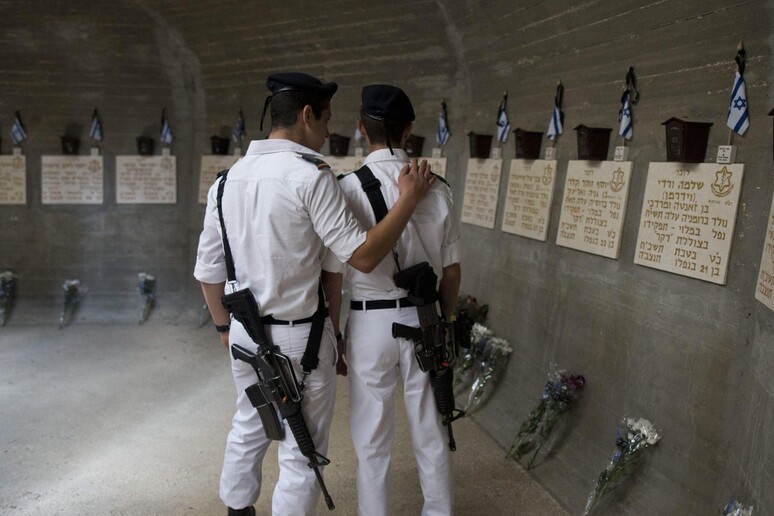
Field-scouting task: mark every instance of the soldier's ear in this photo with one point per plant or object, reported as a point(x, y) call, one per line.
point(307, 114)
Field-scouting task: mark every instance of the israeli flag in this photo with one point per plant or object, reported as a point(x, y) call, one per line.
point(738, 114)
point(503, 127)
point(625, 116)
point(555, 125)
point(96, 132)
point(443, 133)
point(18, 134)
point(239, 129)
point(166, 130)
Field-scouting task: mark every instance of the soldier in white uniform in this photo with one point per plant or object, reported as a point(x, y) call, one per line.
point(282, 208)
point(375, 361)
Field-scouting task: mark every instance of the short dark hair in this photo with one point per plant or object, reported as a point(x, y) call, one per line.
point(286, 105)
point(377, 132)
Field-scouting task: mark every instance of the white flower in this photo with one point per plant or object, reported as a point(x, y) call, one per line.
point(644, 427)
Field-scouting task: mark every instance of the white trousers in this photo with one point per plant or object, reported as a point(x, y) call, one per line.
point(296, 492)
point(376, 363)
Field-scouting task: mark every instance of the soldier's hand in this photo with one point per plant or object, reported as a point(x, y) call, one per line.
point(415, 180)
point(224, 339)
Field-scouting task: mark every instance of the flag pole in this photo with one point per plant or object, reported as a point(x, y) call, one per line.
point(739, 68)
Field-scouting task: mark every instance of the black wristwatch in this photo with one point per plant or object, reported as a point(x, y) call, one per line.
point(222, 328)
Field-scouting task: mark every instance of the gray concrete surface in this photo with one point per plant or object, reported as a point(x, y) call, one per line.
point(131, 420)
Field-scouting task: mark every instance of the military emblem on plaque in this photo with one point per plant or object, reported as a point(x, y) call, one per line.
point(548, 175)
point(617, 183)
point(722, 185)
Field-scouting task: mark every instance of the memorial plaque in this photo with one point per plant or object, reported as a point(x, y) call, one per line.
point(344, 164)
point(688, 219)
point(594, 206)
point(764, 290)
point(208, 171)
point(13, 179)
point(146, 180)
point(529, 197)
point(71, 179)
point(482, 188)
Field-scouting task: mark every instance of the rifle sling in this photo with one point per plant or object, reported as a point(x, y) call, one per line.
point(310, 358)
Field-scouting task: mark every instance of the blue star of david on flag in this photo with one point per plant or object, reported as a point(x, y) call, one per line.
point(443, 133)
point(738, 114)
point(18, 134)
point(503, 126)
point(625, 117)
point(95, 131)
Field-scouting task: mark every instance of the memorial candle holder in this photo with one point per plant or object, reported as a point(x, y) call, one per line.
point(220, 145)
point(145, 146)
point(593, 142)
point(480, 145)
point(338, 145)
point(414, 145)
point(527, 143)
point(686, 142)
point(70, 145)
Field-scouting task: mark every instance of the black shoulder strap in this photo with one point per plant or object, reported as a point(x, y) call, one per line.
point(372, 188)
point(226, 248)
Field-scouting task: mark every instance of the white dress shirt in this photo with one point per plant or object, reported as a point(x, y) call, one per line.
point(281, 213)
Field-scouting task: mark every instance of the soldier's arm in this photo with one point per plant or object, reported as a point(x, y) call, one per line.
point(449, 288)
point(212, 294)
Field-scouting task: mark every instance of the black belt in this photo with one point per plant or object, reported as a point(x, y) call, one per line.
point(268, 319)
point(381, 304)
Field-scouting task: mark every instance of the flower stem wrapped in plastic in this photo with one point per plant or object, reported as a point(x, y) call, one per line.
point(470, 356)
point(559, 393)
point(145, 285)
point(633, 437)
point(494, 354)
point(734, 508)
point(72, 297)
point(7, 294)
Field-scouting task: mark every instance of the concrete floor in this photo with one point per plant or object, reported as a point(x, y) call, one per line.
point(123, 419)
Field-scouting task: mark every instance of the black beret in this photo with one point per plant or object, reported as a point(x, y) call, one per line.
point(295, 81)
point(385, 102)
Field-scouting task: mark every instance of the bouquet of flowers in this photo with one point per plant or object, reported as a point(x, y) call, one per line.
point(7, 294)
point(559, 393)
point(633, 437)
point(145, 285)
point(494, 353)
point(72, 297)
point(734, 508)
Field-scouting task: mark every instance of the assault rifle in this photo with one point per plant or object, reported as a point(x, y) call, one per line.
point(277, 384)
point(435, 341)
